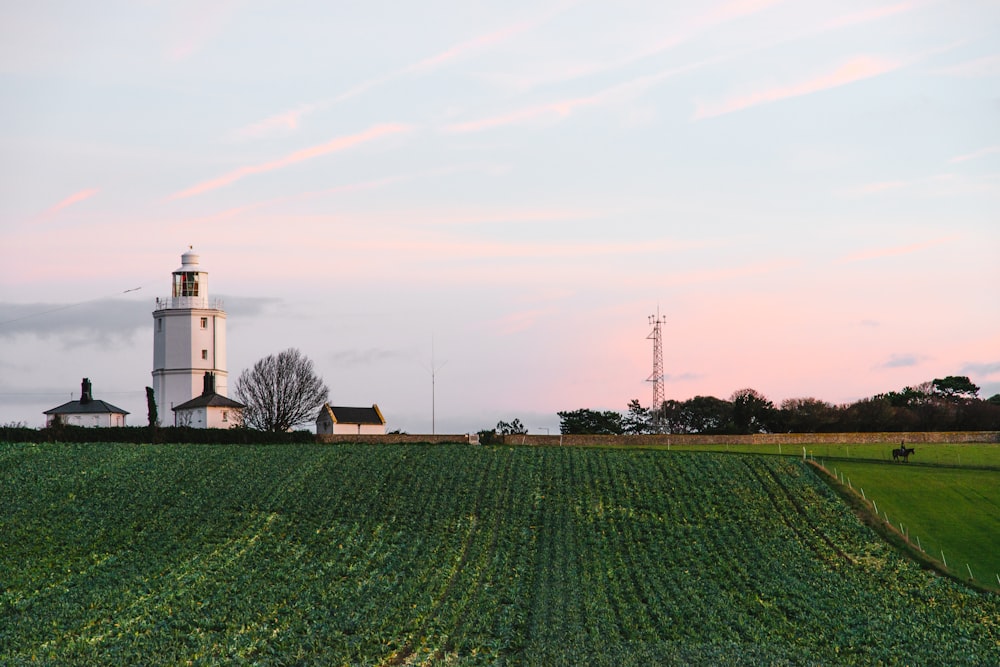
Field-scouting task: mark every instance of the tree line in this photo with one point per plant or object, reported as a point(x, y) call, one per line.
point(944, 404)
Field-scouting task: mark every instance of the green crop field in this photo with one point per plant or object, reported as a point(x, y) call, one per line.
point(384, 555)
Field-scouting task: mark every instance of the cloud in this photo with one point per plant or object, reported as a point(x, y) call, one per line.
point(338, 144)
point(989, 150)
point(74, 198)
point(894, 251)
point(561, 109)
point(973, 69)
point(902, 360)
point(857, 69)
point(869, 15)
point(985, 369)
point(880, 186)
point(90, 323)
point(281, 123)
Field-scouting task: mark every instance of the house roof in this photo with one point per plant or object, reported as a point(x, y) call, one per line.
point(93, 406)
point(344, 415)
point(212, 400)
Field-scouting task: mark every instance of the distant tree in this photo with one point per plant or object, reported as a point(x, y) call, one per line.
point(994, 399)
point(702, 414)
point(752, 412)
point(515, 427)
point(280, 392)
point(807, 415)
point(637, 420)
point(590, 422)
point(154, 419)
point(955, 386)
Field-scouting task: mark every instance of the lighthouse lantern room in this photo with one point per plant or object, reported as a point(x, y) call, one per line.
point(189, 339)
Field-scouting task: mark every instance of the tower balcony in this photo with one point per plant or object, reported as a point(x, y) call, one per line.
point(177, 302)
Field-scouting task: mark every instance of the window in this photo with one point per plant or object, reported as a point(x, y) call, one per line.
point(204, 354)
point(159, 324)
point(204, 323)
point(186, 283)
point(225, 415)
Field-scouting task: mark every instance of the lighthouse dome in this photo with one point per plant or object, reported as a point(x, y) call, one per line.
point(189, 261)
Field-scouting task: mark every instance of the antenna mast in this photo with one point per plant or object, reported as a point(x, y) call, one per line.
point(657, 375)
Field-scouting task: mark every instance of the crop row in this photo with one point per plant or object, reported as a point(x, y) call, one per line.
point(454, 554)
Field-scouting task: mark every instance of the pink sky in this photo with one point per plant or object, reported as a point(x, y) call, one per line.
point(806, 192)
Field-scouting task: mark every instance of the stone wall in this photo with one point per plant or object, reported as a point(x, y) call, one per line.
point(757, 439)
point(663, 440)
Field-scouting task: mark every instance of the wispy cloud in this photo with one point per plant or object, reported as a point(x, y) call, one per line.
point(868, 15)
point(901, 360)
point(281, 123)
point(561, 109)
point(877, 187)
point(338, 144)
point(982, 152)
point(986, 369)
point(459, 51)
point(74, 198)
point(894, 251)
point(972, 69)
point(857, 69)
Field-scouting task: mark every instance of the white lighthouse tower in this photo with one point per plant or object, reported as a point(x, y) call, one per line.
point(189, 339)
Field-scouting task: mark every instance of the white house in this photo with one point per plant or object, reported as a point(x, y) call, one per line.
point(87, 411)
point(189, 338)
point(350, 421)
point(209, 410)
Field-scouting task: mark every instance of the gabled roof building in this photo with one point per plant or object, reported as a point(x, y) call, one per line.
point(87, 411)
point(350, 421)
point(209, 410)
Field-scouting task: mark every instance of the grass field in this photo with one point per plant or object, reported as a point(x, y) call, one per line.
point(980, 455)
point(943, 509)
point(379, 555)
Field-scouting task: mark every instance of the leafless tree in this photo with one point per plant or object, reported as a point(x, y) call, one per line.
point(280, 392)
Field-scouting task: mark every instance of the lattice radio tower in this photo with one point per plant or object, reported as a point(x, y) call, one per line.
point(657, 375)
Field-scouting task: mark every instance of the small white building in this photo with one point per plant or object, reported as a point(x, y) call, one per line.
point(87, 411)
point(210, 410)
point(338, 420)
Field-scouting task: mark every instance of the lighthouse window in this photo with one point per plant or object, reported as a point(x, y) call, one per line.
point(186, 283)
point(204, 354)
point(204, 323)
point(159, 324)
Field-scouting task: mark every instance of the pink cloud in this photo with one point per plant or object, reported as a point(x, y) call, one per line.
point(561, 109)
point(989, 150)
point(856, 69)
point(894, 251)
point(74, 198)
point(869, 15)
point(338, 144)
point(278, 123)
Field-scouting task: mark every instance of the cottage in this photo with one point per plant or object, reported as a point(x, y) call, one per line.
point(87, 411)
point(210, 410)
point(352, 421)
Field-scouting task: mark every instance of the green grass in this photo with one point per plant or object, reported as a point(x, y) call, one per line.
point(985, 455)
point(953, 510)
point(454, 554)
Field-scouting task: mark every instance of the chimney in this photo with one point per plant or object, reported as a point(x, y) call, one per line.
point(86, 393)
point(209, 384)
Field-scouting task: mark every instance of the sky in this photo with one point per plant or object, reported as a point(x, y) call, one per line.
point(468, 212)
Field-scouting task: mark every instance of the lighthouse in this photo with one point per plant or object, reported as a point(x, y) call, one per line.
point(189, 339)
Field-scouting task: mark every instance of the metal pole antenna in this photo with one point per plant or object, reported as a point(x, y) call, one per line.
point(657, 375)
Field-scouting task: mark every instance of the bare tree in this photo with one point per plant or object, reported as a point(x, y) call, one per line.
point(280, 392)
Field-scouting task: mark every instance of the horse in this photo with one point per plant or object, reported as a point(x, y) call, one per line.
point(902, 453)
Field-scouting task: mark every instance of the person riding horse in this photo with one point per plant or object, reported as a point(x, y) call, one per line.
point(902, 453)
